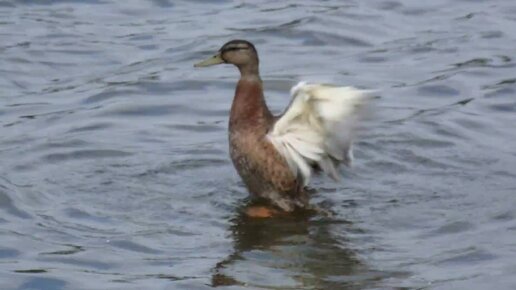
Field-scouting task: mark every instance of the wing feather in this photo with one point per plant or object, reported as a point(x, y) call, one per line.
point(317, 128)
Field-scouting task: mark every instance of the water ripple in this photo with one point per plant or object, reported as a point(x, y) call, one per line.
point(114, 165)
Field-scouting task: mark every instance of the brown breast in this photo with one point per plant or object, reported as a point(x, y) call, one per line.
point(261, 167)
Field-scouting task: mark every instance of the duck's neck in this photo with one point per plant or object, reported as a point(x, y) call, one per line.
point(249, 109)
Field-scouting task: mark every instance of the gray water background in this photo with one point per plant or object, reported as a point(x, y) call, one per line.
point(114, 167)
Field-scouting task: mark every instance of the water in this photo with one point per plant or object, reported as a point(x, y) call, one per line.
point(115, 173)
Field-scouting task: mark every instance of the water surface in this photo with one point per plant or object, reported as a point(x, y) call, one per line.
point(114, 167)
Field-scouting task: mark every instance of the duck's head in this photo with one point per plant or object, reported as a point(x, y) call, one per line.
point(241, 53)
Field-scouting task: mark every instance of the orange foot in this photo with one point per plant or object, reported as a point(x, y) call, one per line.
point(258, 211)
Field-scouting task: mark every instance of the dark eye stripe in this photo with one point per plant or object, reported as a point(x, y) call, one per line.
point(234, 48)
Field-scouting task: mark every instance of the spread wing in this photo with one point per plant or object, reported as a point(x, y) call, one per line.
point(316, 130)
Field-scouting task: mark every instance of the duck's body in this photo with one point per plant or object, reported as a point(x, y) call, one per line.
point(275, 156)
point(262, 168)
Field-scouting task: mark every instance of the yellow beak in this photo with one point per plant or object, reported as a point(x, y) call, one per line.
point(216, 59)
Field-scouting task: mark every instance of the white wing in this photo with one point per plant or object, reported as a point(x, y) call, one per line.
point(317, 128)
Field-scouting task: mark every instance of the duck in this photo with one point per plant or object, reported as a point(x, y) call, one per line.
point(276, 156)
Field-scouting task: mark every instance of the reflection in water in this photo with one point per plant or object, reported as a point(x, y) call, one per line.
point(300, 249)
